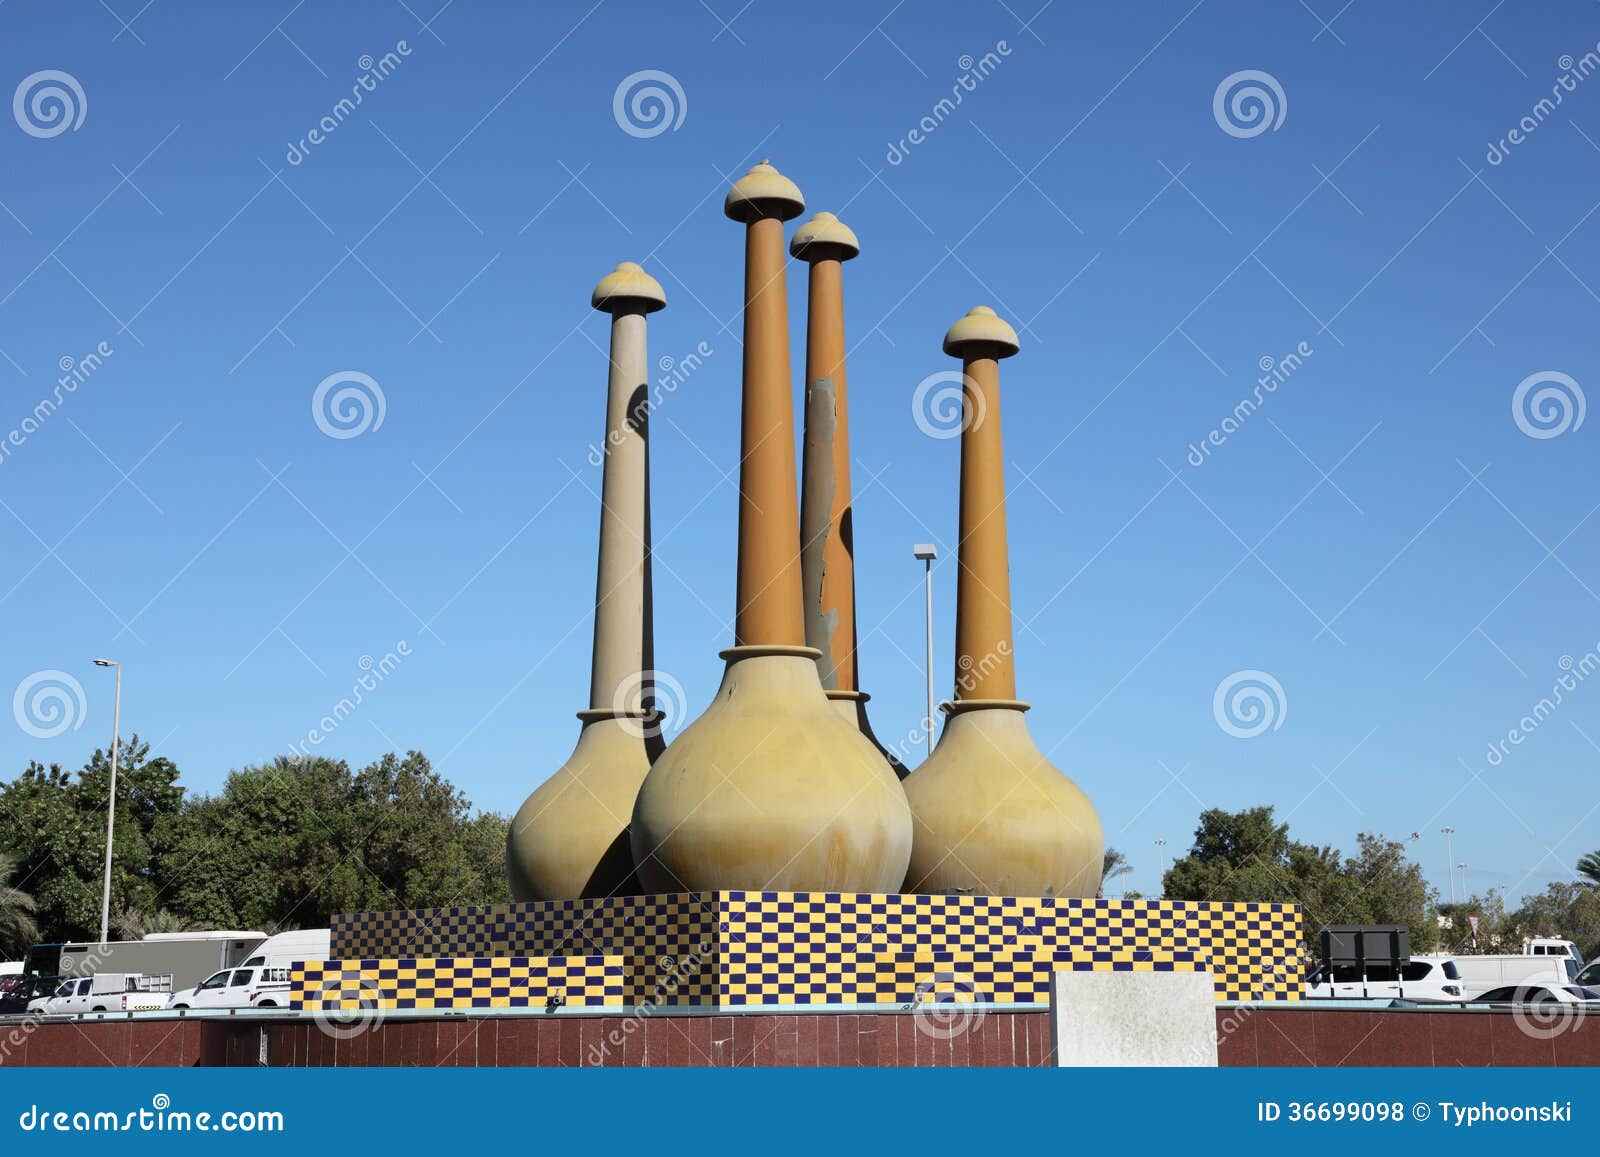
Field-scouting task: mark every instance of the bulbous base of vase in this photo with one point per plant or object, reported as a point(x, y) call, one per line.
point(771, 789)
point(993, 817)
point(569, 839)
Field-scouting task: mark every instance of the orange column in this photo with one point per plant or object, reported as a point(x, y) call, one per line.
point(984, 660)
point(768, 611)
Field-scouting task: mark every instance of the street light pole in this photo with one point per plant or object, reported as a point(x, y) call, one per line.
point(1161, 861)
point(111, 799)
point(927, 553)
point(1450, 860)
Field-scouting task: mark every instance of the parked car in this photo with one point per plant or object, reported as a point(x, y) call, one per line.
point(1540, 994)
point(106, 992)
point(1549, 946)
point(17, 991)
point(1425, 979)
point(1480, 974)
point(262, 981)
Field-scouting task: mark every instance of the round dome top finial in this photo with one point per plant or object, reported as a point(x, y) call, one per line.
point(824, 237)
point(628, 285)
point(763, 192)
point(981, 334)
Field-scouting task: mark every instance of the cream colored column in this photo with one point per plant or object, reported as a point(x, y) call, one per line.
point(570, 837)
point(770, 788)
point(991, 814)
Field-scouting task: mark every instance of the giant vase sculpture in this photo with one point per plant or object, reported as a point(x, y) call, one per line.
point(770, 788)
point(570, 838)
point(827, 516)
point(992, 816)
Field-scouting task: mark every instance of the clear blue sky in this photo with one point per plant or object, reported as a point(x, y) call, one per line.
point(1380, 536)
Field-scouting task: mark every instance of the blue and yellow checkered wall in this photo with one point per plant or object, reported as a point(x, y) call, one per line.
point(734, 949)
point(456, 983)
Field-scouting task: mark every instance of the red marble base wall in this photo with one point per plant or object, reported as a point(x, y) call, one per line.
point(1334, 1038)
point(1247, 1037)
point(854, 1041)
point(122, 1043)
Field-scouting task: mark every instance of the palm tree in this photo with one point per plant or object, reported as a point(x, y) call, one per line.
point(1589, 869)
point(17, 925)
point(1115, 864)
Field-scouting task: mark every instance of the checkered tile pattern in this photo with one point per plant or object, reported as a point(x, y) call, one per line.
point(766, 948)
point(456, 983)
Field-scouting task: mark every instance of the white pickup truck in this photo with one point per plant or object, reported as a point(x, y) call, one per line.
point(261, 981)
point(107, 992)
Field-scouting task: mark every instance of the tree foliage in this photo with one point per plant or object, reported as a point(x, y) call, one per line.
point(285, 844)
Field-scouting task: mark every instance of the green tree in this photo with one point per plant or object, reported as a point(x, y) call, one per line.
point(1589, 869)
point(1113, 865)
point(1248, 856)
point(17, 925)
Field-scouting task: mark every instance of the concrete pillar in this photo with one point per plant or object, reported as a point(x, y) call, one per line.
point(570, 837)
point(770, 788)
point(992, 816)
point(827, 521)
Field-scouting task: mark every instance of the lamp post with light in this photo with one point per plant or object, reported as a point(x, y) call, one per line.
point(111, 798)
point(927, 552)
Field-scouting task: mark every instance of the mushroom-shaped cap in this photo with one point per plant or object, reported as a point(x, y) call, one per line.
point(822, 237)
point(628, 285)
point(981, 328)
point(763, 192)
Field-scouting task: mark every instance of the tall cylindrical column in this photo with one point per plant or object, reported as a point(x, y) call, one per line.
point(770, 788)
point(984, 668)
point(768, 610)
point(991, 815)
point(570, 837)
point(827, 512)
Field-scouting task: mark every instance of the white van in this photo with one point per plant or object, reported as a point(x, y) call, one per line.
point(107, 992)
point(1548, 946)
point(1480, 974)
point(1424, 978)
point(262, 980)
